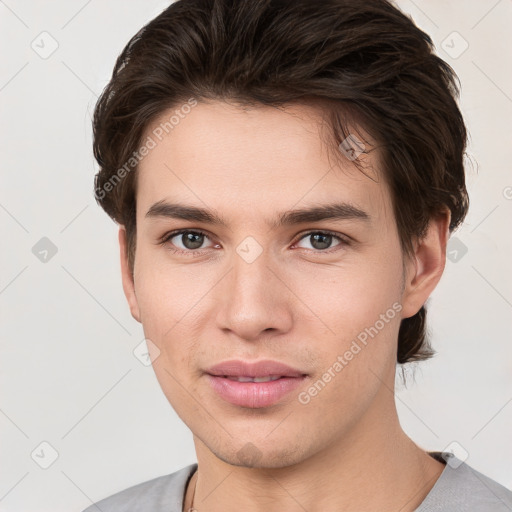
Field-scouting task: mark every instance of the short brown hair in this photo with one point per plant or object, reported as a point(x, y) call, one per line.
point(366, 57)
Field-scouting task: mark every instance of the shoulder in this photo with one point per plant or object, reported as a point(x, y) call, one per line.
point(462, 488)
point(162, 493)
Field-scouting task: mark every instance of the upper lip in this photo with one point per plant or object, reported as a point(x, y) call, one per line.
point(237, 368)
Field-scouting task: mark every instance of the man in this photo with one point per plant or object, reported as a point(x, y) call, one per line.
point(286, 175)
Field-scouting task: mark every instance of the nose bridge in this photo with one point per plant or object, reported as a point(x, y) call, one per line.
point(250, 274)
point(253, 298)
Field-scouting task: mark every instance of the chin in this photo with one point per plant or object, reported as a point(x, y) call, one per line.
point(252, 456)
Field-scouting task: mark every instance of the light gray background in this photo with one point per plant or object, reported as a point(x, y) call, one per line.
point(68, 373)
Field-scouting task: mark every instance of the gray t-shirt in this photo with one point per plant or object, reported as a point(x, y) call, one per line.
point(460, 488)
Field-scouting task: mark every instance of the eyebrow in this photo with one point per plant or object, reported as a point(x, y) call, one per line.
point(332, 211)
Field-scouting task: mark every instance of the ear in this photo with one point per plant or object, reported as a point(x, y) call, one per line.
point(424, 269)
point(127, 277)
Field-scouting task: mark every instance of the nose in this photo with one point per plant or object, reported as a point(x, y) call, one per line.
point(253, 300)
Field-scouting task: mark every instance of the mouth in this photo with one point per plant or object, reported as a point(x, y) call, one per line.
point(253, 385)
point(269, 378)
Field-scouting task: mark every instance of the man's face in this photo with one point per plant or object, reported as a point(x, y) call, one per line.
point(254, 289)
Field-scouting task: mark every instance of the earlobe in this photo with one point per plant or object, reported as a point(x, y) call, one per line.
point(425, 267)
point(127, 277)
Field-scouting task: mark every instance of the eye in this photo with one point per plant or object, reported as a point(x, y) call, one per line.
point(322, 240)
point(184, 241)
point(189, 242)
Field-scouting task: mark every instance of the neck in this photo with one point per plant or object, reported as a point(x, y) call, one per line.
point(375, 466)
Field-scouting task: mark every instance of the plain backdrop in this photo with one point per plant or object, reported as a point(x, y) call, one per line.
point(74, 397)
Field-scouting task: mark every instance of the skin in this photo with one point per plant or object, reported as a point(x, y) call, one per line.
point(296, 303)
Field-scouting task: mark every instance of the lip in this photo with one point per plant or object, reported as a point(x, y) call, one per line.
point(253, 394)
point(264, 368)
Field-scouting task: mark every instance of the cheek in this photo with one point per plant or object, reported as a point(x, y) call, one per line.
point(166, 302)
point(359, 351)
point(359, 306)
point(349, 296)
point(167, 294)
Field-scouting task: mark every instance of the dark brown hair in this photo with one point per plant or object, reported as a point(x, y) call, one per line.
point(366, 58)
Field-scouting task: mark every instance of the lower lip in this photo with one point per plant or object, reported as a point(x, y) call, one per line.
point(253, 394)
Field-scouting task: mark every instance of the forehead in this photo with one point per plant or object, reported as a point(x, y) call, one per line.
point(229, 156)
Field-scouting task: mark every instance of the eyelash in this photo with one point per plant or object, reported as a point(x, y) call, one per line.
point(344, 241)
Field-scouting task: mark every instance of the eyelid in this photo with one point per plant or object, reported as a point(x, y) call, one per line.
point(171, 234)
point(343, 239)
